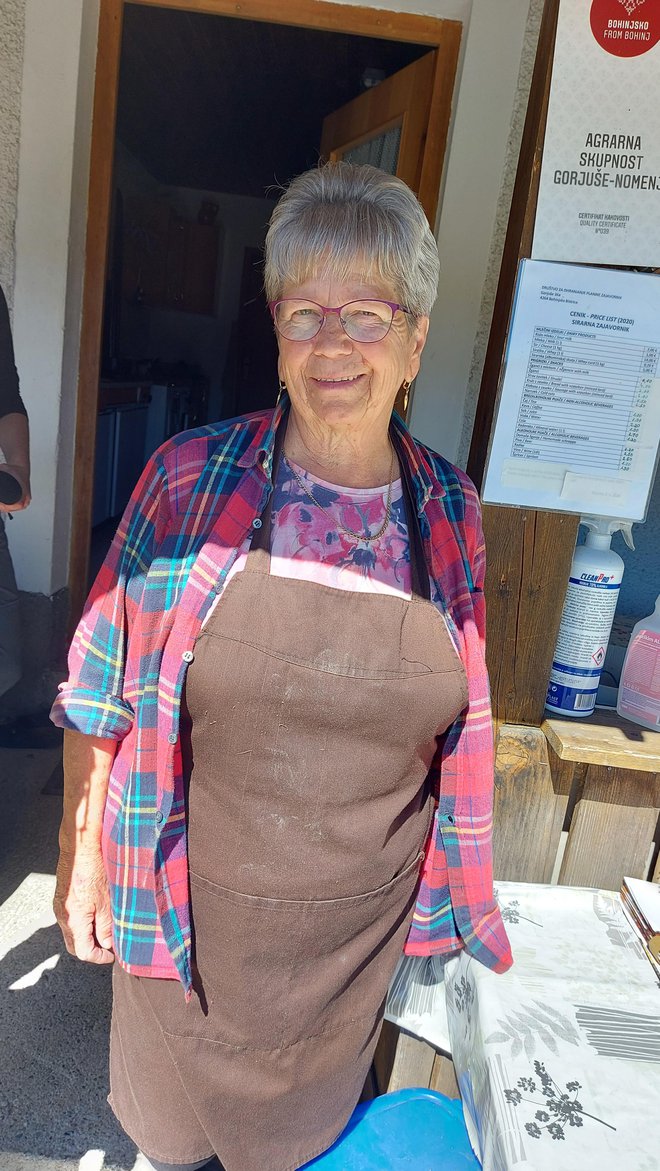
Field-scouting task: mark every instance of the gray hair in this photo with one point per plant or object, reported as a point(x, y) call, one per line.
point(340, 214)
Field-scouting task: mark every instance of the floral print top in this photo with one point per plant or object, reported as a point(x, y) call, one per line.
point(310, 544)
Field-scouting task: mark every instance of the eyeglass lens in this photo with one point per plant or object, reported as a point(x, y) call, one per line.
point(363, 321)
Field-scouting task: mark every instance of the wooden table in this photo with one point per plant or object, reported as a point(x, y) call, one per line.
point(566, 1044)
point(604, 738)
point(609, 770)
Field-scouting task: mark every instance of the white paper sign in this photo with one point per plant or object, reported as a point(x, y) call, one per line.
point(599, 196)
point(578, 421)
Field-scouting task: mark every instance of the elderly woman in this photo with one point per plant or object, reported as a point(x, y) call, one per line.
point(279, 746)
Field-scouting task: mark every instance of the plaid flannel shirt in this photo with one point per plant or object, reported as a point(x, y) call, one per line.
point(196, 501)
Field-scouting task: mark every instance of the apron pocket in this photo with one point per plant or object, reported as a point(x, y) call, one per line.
point(271, 972)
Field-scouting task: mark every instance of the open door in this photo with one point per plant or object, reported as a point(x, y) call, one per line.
point(388, 127)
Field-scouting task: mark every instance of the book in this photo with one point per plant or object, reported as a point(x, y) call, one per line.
point(641, 904)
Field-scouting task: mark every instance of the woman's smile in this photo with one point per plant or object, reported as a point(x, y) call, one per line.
point(331, 380)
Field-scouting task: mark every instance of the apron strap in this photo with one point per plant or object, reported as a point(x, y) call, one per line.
point(258, 558)
point(421, 586)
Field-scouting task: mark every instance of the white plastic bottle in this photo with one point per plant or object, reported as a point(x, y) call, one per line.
point(586, 621)
point(639, 689)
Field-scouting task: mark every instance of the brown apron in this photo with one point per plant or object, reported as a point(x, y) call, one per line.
point(313, 717)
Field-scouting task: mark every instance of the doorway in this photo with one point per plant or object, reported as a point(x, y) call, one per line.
point(208, 116)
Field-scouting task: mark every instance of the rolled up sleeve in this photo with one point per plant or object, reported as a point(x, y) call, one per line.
point(93, 713)
point(93, 698)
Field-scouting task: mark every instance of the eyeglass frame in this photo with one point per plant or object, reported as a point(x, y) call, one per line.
point(329, 309)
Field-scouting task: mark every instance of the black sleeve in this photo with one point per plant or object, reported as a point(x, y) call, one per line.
point(10, 399)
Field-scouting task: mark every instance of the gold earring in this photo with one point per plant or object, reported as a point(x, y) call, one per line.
point(405, 386)
point(280, 392)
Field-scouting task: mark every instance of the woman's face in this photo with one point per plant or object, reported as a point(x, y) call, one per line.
point(341, 384)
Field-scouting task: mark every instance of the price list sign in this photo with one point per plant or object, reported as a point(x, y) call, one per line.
point(578, 422)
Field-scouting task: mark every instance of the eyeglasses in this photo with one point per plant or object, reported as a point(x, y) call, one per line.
point(363, 321)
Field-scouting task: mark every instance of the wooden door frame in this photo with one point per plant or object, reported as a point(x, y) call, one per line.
point(442, 35)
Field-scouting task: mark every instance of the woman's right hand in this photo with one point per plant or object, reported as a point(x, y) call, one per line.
point(82, 906)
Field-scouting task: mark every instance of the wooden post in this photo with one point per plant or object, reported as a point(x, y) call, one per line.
point(528, 560)
point(612, 828)
point(530, 806)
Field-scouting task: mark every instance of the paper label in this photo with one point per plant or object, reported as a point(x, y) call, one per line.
point(639, 691)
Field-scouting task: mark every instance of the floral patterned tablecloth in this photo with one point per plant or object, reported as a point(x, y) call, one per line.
point(558, 1060)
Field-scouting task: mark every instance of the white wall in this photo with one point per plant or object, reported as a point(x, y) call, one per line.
point(48, 106)
point(473, 179)
point(501, 224)
point(52, 188)
point(11, 67)
point(55, 128)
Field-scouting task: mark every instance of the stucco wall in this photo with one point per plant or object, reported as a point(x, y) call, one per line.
point(56, 103)
point(12, 23)
point(485, 103)
point(500, 227)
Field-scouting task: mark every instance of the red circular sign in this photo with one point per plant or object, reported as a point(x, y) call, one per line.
point(626, 28)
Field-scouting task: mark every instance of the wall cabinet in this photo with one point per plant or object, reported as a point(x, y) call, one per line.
point(169, 262)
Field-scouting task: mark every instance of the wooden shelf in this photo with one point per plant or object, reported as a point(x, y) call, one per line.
point(604, 738)
point(115, 394)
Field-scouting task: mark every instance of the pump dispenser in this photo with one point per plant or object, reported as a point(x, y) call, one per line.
point(601, 531)
point(587, 617)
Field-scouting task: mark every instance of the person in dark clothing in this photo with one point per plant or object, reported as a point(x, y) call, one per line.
point(15, 487)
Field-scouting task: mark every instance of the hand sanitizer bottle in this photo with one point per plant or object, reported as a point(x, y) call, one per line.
point(587, 617)
point(639, 689)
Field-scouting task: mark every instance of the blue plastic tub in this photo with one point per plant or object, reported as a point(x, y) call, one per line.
point(409, 1130)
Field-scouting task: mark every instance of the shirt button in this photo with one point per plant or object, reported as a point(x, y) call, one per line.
point(187, 656)
point(256, 523)
point(172, 738)
point(159, 816)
